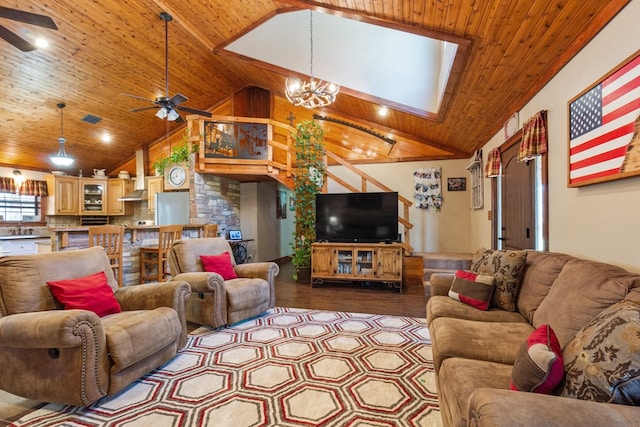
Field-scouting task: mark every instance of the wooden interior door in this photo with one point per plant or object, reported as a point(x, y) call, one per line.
point(518, 202)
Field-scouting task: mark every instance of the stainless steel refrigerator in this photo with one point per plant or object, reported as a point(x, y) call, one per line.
point(172, 208)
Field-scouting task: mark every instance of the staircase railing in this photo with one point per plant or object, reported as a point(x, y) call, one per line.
point(368, 179)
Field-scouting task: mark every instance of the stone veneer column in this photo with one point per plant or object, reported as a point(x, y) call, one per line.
point(217, 200)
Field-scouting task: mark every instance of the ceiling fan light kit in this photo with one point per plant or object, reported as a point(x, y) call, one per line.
point(313, 93)
point(61, 158)
point(168, 106)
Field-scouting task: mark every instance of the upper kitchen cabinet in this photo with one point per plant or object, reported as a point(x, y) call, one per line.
point(117, 188)
point(93, 196)
point(155, 184)
point(63, 195)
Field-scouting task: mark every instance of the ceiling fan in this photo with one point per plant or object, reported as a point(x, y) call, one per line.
point(168, 106)
point(27, 17)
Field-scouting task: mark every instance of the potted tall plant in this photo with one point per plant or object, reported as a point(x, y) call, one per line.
point(308, 178)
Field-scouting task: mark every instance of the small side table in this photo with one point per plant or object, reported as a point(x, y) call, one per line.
point(239, 249)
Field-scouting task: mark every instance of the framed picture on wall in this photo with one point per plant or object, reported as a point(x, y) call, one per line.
point(292, 203)
point(604, 127)
point(457, 184)
point(281, 205)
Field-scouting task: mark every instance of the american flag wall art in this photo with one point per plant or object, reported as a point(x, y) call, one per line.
point(604, 123)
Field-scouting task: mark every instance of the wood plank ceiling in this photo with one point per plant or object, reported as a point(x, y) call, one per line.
point(104, 48)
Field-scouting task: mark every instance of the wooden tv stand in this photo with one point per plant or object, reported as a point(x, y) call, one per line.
point(363, 262)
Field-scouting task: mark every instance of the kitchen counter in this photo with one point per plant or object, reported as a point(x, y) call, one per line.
point(23, 236)
point(64, 238)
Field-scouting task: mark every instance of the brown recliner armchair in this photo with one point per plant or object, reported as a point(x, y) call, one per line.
point(73, 356)
point(214, 301)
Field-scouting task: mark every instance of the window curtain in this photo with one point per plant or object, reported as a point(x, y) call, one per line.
point(31, 187)
point(7, 185)
point(492, 168)
point(534, 137)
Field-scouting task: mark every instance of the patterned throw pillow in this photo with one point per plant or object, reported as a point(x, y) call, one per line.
point(602, 362)
point(506, 268)
point(538, 367)
point(472, 289)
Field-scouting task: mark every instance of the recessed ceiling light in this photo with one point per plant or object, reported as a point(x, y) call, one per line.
point(383, 111)
point(42, 43)
point(106, 137)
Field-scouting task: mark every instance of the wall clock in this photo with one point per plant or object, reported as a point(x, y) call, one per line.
point(176, 178)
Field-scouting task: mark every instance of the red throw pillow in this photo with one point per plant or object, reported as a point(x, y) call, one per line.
point(86, 293)
point(538, 367)
point(472, 289)
point(220, 264)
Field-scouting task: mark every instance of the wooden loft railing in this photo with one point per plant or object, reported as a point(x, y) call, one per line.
point(367, 179)
point(277, 163)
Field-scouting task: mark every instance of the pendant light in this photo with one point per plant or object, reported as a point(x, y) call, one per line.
point(61, 158)
point(313, 93)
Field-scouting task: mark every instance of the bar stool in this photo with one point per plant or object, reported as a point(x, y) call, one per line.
point(155, 257)
point(210, 230)
point(110, 237)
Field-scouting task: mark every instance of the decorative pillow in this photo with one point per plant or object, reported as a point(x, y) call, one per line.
point(472, 289)
point(506, 267)
point(220, 264)
point(538, 367)
point(86, 293)
point(603, 359)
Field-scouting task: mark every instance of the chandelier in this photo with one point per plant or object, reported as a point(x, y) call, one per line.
point(313, 93)
point(61, 159)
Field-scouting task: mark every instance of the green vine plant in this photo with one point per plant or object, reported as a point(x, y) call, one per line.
point(179, 154)
point(308, 180)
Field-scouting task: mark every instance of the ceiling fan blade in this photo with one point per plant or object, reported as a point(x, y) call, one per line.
point(179, 119)
point(28, 17)
point(138, 97)
point(135, 110)
point(178, 99)
point(194, 111)
point(15, 40)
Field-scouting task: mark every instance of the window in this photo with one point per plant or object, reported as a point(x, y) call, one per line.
point(17, 208)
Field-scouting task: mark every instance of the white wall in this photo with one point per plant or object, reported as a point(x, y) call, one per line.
point(598, 221)
point(444, 231)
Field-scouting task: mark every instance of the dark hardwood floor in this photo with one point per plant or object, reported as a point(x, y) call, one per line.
point(375, 299)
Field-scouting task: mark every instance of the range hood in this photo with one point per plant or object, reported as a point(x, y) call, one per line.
point(140, 193)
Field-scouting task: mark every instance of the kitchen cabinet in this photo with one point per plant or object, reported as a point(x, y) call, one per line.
point(17, 246)
point(154, 185)
point(93, 196)
point(63, 195)
point(117, 188)
point(376, 262)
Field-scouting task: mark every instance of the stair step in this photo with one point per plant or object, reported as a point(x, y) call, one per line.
point(445, 261)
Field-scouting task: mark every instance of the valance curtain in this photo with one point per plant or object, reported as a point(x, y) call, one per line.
point(7, 185)
point(534, 137)
point(29, 187)
point(492, 168)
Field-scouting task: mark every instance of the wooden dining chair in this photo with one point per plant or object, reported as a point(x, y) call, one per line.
point(153, 259)
point(210, 230)
point(110, 237)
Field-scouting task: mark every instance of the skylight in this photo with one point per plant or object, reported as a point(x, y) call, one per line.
point(404, 70)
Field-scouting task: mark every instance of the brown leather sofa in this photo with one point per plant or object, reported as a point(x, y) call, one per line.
point(474, 351)
point(73, 356)
point(214, 301)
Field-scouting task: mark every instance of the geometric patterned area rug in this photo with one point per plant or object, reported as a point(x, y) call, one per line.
point(288, 367)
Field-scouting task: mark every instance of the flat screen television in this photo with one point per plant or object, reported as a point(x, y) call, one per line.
point(357, 217)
